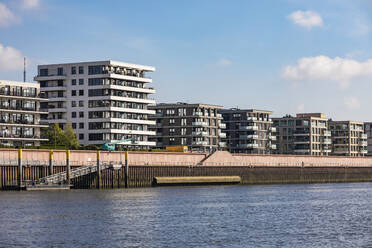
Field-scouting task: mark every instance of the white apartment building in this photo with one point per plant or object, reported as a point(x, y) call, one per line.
point(20, 114)
point(105, 101)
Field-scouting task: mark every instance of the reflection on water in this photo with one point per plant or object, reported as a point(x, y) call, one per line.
point(318, 215)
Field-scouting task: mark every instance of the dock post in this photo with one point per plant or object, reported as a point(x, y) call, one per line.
point(98, 169)
point(20, 172)
point(126, 170)
point(50, 162)
point(68, 180)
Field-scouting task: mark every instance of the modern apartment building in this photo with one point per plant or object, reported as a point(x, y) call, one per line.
point(305, 134)
point(197, 126)
point(20, 114)
point(105, 101)
point(368, 132)
point(248, 131)
point(348, 138)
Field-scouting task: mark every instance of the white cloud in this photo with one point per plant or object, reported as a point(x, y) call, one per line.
point(323, 68)
point(30, 4)
point(352, 102)
point(224, 62)
point(6, 16)
point(307, 19)
point(10, 58)
point(301, 107)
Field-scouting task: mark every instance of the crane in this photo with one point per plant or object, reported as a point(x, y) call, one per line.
point(110, 146)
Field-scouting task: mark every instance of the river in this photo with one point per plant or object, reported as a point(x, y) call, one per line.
point(306, 215)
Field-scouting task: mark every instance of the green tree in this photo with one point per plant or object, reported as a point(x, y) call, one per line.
point(69, 138)
point(55, 135)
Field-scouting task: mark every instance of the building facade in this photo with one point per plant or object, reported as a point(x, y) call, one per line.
point(368, 133)
point(348, 138)
point(197, 126)
point(249, 131)
point(20, 114)
point(305, 134)
point(105, 101)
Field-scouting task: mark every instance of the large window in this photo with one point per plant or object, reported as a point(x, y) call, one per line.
point(97, 69)
point(43, 72)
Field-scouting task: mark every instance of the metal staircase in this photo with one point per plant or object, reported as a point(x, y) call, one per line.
point(60, 178)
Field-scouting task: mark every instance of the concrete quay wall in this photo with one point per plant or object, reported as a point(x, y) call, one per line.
point(220, 158)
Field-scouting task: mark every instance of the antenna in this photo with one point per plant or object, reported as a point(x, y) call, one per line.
point(24, 69)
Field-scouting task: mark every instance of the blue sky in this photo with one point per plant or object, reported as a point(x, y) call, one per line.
point(287, 56)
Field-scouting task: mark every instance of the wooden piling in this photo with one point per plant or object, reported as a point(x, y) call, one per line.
point(50, 162)
point(68, 179)
point(98, 170)
point(126, 170)
point(20, 169)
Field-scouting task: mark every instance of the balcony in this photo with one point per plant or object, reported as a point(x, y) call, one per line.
point(222, 135)
point(200, 143)
point(327, 141)
point(273, 147)
point(50, 77)
point(219, 116)
point(250, 118)
point(250, 136)
point(364, 151)
point(248, 127)
point(222, 125)
point(200, 133)
point(200, 123)
point(273, 129)
point(272, 137)
point(222, 144)
point(363, 136)
point(198, 113)
point(248, 146)
point(363, 143)
point(327, 133)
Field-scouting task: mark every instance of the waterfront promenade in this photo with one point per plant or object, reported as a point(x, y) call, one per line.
point(144, 167)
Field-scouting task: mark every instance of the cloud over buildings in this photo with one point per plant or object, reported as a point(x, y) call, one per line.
point(307, 19)
point(30, 4)
point(10, 59)
point(323, 68)
point(7, 17)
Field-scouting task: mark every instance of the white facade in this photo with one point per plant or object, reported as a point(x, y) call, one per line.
point(105, 101)
point(20, 114)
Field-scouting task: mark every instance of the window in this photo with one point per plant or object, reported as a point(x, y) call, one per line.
point(81, 125)
point(73, 125)
point(81, 103)
point(73, 82)
point(73, 70)
point(81, 136)
point(97, 69)
point(73, 92)
point(73, 114)
point(81, 114)
point(95, 81)
point(73, 104)
point(183, 122)
point(60, 71)
point(43, 72)
point(81, 70)
point(81, 81)
point(81, 92)
point(171, 121)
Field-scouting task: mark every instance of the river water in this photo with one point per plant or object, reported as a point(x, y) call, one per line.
point(309, 215)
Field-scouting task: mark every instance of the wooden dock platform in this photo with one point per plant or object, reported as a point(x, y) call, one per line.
point(197, 180)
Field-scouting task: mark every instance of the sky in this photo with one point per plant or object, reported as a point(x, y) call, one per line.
point(287, 56)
